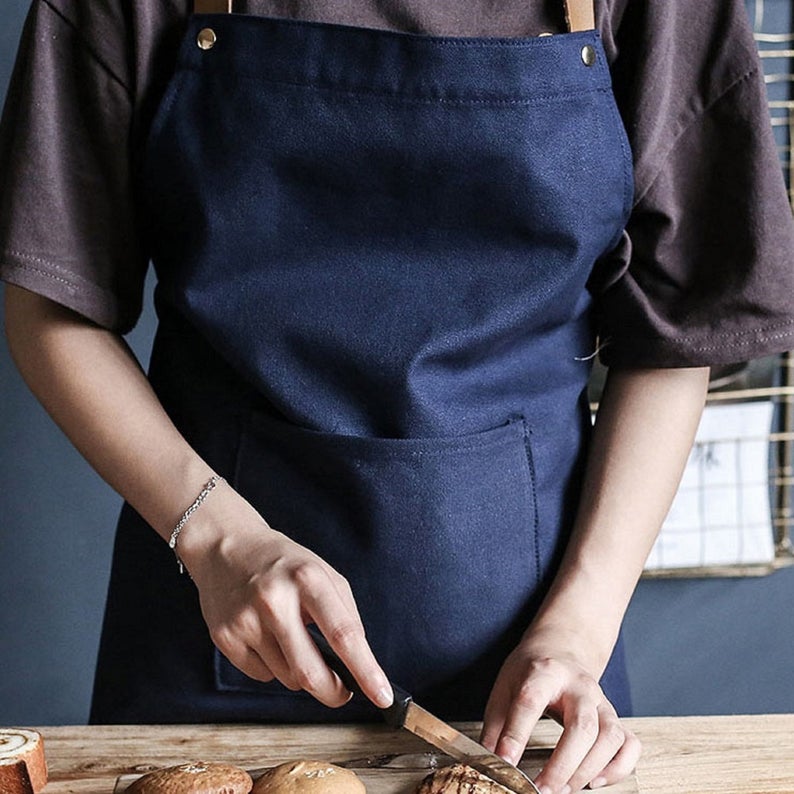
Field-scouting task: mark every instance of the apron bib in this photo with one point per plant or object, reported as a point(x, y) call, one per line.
point(372, 252)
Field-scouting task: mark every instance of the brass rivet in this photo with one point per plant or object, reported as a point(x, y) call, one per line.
point(206, 38)
point(588, 55)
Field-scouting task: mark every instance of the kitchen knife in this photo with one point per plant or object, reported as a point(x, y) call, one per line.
point(404, 713)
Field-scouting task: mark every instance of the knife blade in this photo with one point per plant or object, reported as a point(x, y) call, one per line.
point(404, 713)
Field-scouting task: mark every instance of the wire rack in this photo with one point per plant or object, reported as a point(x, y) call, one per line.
point(735, 514)
point(770, 381)
point(772, 23)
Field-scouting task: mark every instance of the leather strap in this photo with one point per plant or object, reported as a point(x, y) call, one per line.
point(580, 15)
point(212, 6)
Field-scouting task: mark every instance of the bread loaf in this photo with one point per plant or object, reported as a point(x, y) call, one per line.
point(199, 777)
point(23, 769)
point(309, 777)
point(459, 779)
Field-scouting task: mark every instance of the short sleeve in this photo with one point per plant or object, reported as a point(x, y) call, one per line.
point(704, 274)
point(67, 212)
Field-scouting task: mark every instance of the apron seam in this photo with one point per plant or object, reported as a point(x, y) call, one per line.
point(527, 432)
point(419, 99)
point(448, 445)
point(430, 40)
point(628, 164)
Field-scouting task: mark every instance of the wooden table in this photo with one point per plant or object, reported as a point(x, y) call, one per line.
point(693, 755)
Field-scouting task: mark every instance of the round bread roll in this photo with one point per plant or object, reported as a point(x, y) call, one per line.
point(309, 777)
point(22, 766)
point(198, 777)
point(459, 779)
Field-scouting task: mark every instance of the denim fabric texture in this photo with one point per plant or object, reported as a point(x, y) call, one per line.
point(372, 252)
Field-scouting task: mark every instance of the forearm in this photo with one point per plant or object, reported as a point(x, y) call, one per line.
point(643, 434)
point(255, 585)
point(89, 381)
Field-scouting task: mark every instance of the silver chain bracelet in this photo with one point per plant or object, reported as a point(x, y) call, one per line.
point(205, 491)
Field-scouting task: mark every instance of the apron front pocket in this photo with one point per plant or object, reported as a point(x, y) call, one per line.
point(437, 537)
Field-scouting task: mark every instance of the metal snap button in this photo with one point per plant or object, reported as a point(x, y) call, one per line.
point(206, 38)
point(588, 55)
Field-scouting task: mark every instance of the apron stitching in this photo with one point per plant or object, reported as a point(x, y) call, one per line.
point(628, 160)
point(419, 39)
point(533, 482)
point(449, 445)
point(436, 453)
point(365, 93)
point(163, 112)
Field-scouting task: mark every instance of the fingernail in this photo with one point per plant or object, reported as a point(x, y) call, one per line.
point(546, 790)
point(566, 790)
point(599, 782)
point(385, 697)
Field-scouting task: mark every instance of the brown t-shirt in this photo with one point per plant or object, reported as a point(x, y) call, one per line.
point(705, 271)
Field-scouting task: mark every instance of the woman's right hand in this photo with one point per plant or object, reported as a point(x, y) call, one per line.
point(258, 591)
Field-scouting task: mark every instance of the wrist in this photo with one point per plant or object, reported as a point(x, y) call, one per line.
point(589, 650)
point(210, 486)
point(218, 526)
point(582, 612)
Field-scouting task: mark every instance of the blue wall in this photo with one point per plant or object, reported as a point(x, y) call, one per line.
point(696, 647)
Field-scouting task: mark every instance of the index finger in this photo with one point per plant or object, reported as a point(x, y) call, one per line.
point(581, 725)
point(521, 715)
point(370, 681)
point(344, 633)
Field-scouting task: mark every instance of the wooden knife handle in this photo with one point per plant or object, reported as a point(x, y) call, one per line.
point(394, 715)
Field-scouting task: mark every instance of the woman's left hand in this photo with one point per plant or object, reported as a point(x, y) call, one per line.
point(643, 433)
point(543, 676)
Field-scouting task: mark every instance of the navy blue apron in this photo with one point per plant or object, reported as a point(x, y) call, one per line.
point(372, 252)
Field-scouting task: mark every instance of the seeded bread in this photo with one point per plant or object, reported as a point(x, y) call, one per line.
point(199, 777)
point(309, 777)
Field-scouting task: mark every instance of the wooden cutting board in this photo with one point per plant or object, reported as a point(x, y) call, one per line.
point(401, 773)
